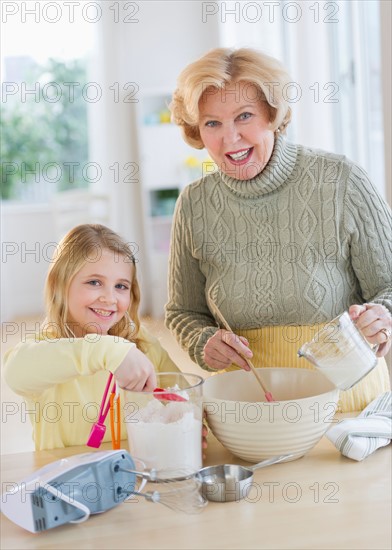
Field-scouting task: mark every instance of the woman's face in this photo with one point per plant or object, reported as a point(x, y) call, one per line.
point(99, 294)
point(235, 129)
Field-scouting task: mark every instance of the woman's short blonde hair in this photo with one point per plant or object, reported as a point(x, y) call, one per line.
point(78, 246)
point(219, 68)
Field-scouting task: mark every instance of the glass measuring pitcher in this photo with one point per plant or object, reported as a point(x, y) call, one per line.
point(340, 352)
point(165, 427)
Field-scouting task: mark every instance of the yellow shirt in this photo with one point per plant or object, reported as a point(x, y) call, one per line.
point(62, 382)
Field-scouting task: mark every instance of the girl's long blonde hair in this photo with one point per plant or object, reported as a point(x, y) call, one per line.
point(72, 253)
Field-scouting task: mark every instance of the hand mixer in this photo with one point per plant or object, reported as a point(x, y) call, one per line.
point(71, 489)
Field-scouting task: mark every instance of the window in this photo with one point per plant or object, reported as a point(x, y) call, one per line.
point(332, 50)
point(44, 101)
point(356, 66)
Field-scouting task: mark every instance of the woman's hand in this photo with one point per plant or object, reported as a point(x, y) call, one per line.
point(375, 323)
point(136, 372)
point(225, 348)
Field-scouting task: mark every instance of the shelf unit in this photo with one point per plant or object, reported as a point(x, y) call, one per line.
point(164, 173)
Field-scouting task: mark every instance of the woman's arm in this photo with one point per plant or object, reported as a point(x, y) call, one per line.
point(368, 221)
point(187, 313)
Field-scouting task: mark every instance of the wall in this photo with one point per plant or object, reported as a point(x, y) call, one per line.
point(148, 54)
point(386, 48)
point(143, 56)
point(27, 232)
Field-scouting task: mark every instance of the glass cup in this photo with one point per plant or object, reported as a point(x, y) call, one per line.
point(165, 430)
point(340, 352)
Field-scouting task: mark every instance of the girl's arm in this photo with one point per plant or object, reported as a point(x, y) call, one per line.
point(37, 364)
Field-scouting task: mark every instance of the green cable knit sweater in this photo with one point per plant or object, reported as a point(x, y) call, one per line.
point(296, 245)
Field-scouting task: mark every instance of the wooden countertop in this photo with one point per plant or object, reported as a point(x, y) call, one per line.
point(322, 500)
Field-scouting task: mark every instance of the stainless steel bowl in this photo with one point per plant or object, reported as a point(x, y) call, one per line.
point(231, 482)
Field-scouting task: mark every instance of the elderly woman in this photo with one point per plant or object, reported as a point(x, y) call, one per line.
point(282, 238)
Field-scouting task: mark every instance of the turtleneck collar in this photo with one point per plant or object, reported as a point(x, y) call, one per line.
point(275, 173)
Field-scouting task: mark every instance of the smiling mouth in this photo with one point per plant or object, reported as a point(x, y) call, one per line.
point(240, 156)
point(102, 312)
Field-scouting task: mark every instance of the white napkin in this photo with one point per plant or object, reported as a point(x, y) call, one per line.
point(359, 437)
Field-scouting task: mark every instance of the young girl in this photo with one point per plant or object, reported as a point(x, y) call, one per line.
point(91, 327)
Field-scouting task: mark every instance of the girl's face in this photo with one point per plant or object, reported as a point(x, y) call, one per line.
point(235, 129)
point(99, 294)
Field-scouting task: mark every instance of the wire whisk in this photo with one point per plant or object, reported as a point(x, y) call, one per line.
point(162, 476)
point(182, 496)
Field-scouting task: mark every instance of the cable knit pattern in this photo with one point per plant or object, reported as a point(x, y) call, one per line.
point(296, 245)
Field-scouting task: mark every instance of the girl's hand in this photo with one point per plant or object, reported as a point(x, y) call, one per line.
point(375, 323)
point(136, 372)
point(225, 348)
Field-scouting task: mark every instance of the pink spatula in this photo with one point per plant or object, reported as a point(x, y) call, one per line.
point(165, 395)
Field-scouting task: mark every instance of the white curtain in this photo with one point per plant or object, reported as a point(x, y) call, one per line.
point(333, 53)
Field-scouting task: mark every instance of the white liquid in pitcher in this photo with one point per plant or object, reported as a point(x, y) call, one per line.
point(167, 437)
point(345, 371)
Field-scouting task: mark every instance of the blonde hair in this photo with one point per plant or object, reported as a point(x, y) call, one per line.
point(219, 68)
point(72, 253)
